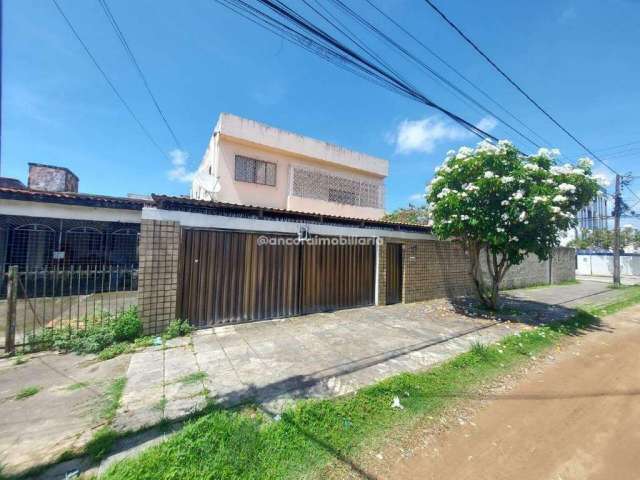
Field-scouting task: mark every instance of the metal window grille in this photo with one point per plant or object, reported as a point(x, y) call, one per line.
point(34, 243)
point(32, 246)
point(83, 246)
point(314, 183)
point(255, 171)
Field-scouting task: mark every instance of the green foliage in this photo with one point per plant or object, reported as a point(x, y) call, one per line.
point(101, 443)
point(177, 328)
point(112, 398)
point(411, 214)
point(77, 386)
point(127, 326)
point(20, 359)
point(97, 335)
point(193, 378)
point(27, 392)
point(230, 444)
point(515, 205)
point(496, 201)
point(603, 239)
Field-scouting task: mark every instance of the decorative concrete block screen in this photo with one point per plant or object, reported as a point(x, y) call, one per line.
point(314, 183)
point(159, 254)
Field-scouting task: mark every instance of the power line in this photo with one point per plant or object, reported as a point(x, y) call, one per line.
point(456, 71)
point(295, 28)
point(512, 82)
point(125, 45)
point(108, 80)
point(433, 73)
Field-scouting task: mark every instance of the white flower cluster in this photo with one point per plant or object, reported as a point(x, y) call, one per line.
point(585, 162)
point(550, 153)
point(567, 187)
point(531, 166)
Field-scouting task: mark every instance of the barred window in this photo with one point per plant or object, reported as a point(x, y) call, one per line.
point(255, 171)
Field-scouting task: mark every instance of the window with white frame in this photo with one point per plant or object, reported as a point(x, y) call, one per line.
point(252, 170)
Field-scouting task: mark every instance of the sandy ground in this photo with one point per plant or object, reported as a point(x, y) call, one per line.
point(575, 417)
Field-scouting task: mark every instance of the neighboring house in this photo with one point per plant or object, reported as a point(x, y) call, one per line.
point(250, 163)
point(48, 224)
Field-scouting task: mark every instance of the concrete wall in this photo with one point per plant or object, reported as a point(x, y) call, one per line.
point(440, 269)
point(603, 265)
point(431, 269)
point(563, 265)
point(559, 268)
point(237, 136)
point(52, 179)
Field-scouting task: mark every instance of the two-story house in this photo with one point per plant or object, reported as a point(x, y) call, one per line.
point(250, 163)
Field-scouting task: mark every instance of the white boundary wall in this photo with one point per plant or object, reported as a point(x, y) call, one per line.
point(603, 265)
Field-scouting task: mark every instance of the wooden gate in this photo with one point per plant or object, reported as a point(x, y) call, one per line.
point(394, 273)
point(227, 277)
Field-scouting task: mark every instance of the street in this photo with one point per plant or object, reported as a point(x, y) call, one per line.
point(574, 416)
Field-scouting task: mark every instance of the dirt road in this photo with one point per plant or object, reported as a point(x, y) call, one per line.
point(577, 417)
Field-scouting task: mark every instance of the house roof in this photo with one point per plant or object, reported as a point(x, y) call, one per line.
point(263, 135)
point(71, 198)
point(166, 202)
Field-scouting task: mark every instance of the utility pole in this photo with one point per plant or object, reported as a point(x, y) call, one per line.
point(617, 211)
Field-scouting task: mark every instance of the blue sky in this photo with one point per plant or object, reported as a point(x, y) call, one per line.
point(577, 58)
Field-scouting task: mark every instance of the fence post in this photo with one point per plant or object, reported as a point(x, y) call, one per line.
point(12, 295)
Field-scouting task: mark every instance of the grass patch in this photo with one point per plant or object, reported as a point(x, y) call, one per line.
point(193, 378)
point(627, 297)
point(27, 392)
point(538, 286)
point(112, 398)
point(177, 328)
point(77, 386)
point(101, 443)
point(20, 359)
point(161, 405)
point(228, 444)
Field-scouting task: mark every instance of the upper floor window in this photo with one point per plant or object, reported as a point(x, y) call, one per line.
point(255, 171)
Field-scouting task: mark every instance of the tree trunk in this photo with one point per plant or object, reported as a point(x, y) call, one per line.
point(490, 297)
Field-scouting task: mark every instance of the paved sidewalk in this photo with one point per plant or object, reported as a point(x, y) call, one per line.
point(313, 356)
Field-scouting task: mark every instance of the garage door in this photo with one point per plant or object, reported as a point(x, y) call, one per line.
point(227, 277)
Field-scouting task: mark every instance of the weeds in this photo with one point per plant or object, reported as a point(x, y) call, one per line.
point(27, 392)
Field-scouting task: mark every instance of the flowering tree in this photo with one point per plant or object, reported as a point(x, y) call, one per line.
point(502, 206)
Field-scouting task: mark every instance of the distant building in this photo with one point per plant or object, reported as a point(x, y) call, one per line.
point(250, 163)
point(594, 216)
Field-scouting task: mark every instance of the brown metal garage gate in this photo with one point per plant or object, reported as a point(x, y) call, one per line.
point(226, 277)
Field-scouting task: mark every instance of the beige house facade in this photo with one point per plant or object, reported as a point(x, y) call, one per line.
point(250, 163)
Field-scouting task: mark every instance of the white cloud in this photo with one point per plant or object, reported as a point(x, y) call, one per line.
point(424, 135)
point(416, 197)
point(567, 15)
point(179, 172)
point(605, 177)
point(487, 124)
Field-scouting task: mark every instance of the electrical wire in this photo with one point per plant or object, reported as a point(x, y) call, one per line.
point(521, 90)
point(107, 79)
point(132, 58)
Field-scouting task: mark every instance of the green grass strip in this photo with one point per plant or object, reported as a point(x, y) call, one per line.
point(230, 444)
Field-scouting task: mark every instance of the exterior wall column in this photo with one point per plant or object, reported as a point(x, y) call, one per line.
point(381, 272)
point(158, 274)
